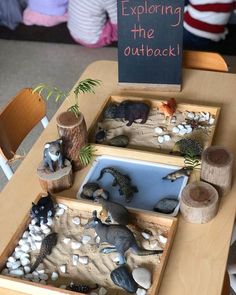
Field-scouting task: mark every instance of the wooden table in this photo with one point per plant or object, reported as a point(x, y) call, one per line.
point(198, 258)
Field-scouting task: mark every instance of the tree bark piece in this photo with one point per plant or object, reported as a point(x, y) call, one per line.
point(57, 181)
point(73, 132)
point(217, 166)
point(199, 202)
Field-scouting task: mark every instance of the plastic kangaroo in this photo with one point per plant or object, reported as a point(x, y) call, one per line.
point(119, 236)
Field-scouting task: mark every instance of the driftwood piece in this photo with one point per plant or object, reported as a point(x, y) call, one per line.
point(199, 202)
point(57, 181)
point(73, 132)
point(217, 166)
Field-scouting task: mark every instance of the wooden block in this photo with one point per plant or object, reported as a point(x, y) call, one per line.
point(199, 202)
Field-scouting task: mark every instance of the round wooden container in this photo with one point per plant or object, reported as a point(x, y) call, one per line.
point(216, 169)
point(199, 202)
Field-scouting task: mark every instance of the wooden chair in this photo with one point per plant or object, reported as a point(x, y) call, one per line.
point(204, 61)
point(17, 119)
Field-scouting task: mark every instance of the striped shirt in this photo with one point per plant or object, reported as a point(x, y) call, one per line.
point(208, 18)
point(87, 19)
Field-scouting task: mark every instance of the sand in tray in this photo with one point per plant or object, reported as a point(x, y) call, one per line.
point(143, 135)
point(100, 265)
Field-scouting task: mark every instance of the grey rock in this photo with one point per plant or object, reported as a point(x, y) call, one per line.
point(122, 277)
point(120, 141)
point(166, 205)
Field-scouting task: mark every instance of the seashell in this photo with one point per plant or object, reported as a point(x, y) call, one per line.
point(122, 277)
point(175, 130)
point(25, 234)
point(160, 139)
point(66, 241)
point(211, 120)
point(75, 259)
point(75, 245)
point(183, 131)
point(119, 141)
point(25, 261)
point(141, 291)
point(142, 276)
point(102, 291)
point(190, 115)
point(60, 211)
point(146, 235)
point(76, 220)
point(158, 130)
point(27, 269)
point(11, 259)
point(16, 272)
point(43, 276)
point(54, 276)
point(63, 268)
point(86, 239)
point(84, 259)
point(63, 206)
point(162, 239)
point(167, 137)
point(5, 271)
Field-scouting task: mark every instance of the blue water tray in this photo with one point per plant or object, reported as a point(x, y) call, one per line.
point(147, 176)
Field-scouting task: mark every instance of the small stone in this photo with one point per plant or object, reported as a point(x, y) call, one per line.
point(63, 268)
point(22, 242)
point(16, 272)
point(27, 269)
point(43, 226)
point(75, 245)
point(35, 274)
point(202, 119)
point(25, 234)
point(141, 291)
point(183, 131)
point(43, 276)
point(15, 265)
point(146, 236)
point(211, 120)
point(84, 259)
point(75, 259)
point(175, 130)
point(5, 271)
point(11, 259)
point(54, 276)
point(17, 249)
point(43, 282)
point(50, 222)
point(63, 206)
point(38, 245)
point(25, 261)
point(102, 291)
point(29, 276)
point(76, 220)
point(66, 241)
point(86, 239)
point(142, 276)
point(190, 115)
point(173, 119)
point(196, 117)
point(116, 259)
point(62, 287)
point(166, 205)
point(33, 221)
point(60, 211)
point(207, 116)
point(189, 130)
point(97, 240)
point(41, 271)
point(158, 130)
point(167, 137)
point(160, 139)
point(180, 127)
point(162, 239)
point(38, 238)
point(47, 231)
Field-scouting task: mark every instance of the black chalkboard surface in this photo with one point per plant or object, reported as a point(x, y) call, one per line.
point(150, 36)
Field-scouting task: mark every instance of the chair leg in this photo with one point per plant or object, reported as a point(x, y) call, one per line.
point(6, 168)
point(44, 122)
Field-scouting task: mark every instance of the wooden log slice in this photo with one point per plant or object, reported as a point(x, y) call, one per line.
point(217, 166)
point(199, 202)
point(73, 132)
point(57, 181)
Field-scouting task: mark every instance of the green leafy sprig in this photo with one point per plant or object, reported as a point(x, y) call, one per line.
point(86, 154)
point(191, 161)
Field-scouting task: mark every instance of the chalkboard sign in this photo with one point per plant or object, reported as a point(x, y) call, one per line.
point(150, 37)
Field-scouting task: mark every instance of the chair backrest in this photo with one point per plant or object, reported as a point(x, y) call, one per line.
point(18, 118)
point(204, 60)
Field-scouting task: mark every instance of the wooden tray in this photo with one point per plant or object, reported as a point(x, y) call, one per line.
point(38, 289)
point(155, 104)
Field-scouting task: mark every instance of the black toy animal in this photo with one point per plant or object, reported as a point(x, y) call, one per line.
point(52, 155)
point(128, 110)
point(43, 209)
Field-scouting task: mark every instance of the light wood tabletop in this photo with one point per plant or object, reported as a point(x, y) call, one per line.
point(198, 258)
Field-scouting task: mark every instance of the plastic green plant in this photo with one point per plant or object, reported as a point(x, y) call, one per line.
point(86, 154)
point(191, 161)
point(84, 86)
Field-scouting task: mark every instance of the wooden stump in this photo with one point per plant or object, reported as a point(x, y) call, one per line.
point(73, 132)
point(199, 202)
point(57, 181)
point(217, 166)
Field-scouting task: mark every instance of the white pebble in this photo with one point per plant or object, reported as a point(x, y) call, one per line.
point(41, 271)
point(160, 139)
point(173, 119)
point(202, 119)
point(162, 239)
point(33, 222)
point(76, 220)
point(15, 265)
point(211, 120)
point(35, 274)
point(207, 116)
point(29, 276)
point(38, 238)
point(27, 269)
point(97, 240)
point(63, 268)
point(43, 276)
point(22, 242)
point(16, 272)
point(25, 234)
point(54, 276)
point(84, 259)
point(189, 129)
point(46, 231)
point(60, 211)
point(116, 259)
point(180, 126)
point(5, 271)
point(102, 291)
point(25, 261)
point(43, 226)
point(66, 241)
point(190, 115)
point(86, 239)
point(142, 276)
point(75, 259)
point(196, 117)
point(75, 245)
point(33, 246)
point(158, 130)
point(37, 228)
point(50, 222)
point(63, 206)
point(146, 236)
point(167, 137)
point(17, 249)
point(141, 291)
point(175, 130)
point(11, 259)
point(183, 131)
point(38, 245)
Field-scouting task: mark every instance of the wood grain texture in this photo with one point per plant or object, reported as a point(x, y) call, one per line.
point(199, 253)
